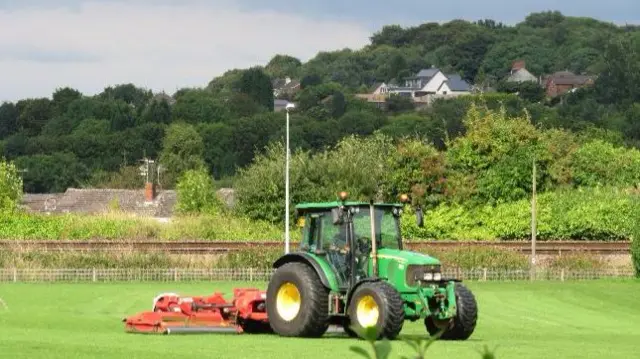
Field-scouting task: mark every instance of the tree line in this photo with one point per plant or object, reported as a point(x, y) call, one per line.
point(72, 139)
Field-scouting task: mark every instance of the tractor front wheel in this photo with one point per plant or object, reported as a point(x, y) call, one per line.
point(463, 324)
point(297, 302)
point(379, 305)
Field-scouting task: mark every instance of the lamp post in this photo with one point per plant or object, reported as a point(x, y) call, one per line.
point(286, 186)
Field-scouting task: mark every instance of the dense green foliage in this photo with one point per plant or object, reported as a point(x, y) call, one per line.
point(479, 188)
point(73, 139)
point(196, 193)
point(10, 187)
point(116, 227)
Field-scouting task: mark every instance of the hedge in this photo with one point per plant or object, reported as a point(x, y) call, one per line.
point(569, 214)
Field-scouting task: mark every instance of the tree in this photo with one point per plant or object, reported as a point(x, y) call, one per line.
point(182, 150)
point(257, 84)
point(619, 83)
point(8, 119)
point(281, 66)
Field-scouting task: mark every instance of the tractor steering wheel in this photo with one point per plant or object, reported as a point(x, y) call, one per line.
point(364, 244)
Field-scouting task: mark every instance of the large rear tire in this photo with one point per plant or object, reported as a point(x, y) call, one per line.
point(464, 323)
point(297, 302)
point(377, 304)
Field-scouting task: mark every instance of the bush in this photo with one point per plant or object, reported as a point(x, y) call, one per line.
point(599, 163)
point(356, 165)
point(635, 249)
point(10, 187)
point(19, 226)
point(567, 214)
point(196, 193)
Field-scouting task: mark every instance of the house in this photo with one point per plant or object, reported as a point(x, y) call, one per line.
point(431, 81)
point(286, 86)
point(425, 82)
point(453, 85)
point(519, 73)
point(561, 82)
point(422, 88)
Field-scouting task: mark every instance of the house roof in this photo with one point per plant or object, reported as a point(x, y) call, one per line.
point(90, 201)
point(568, 78)
point(456, 83)
point(521, 75)
point(428, 72)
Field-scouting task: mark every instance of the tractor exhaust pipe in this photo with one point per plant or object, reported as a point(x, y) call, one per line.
point(374, 246)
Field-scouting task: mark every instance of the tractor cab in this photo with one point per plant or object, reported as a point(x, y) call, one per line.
point(341, 232)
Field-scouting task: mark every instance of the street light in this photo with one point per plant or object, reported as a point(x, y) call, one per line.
point(286, 186)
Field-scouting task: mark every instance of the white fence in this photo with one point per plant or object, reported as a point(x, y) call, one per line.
point(263, 275)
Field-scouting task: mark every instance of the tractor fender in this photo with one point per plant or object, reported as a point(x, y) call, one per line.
point(358, 284)
point(307, 259)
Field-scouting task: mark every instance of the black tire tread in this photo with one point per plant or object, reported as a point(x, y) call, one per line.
point(317, 306)
point(464, 323)
point(392, 304)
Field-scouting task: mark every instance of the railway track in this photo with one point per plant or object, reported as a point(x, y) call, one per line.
point(212, 247)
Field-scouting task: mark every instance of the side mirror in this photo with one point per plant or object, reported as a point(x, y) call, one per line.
point(419, 217)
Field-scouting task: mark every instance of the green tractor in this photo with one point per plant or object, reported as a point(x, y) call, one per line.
point(351, 270)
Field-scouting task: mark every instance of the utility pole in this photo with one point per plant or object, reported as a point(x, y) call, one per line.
point(286, 186)
point(533, 222)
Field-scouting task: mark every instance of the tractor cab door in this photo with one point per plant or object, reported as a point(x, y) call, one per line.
point(331, 239)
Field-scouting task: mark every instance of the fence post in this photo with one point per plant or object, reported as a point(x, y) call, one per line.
point(562, 275)
point(93, 274)
point(250, 274)
point(175, 274)
point(15, 274)
point(484, 274)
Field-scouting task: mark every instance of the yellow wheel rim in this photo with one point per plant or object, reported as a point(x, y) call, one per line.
point(288, 301)
point(367, 312)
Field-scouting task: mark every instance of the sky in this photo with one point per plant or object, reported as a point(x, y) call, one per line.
point(164, 45)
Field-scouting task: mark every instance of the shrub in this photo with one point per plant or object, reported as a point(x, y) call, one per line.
point(356, 165)
point(196, 193)
point(566, 214)
point(10, 187)
point(635, 249)
point(600, 163)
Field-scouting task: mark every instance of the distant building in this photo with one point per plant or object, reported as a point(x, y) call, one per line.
point(286, 86)
point(519, 73)
point(562, 82)
point(422, 88)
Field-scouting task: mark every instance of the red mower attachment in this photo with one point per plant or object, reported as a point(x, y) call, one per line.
point(171, 313)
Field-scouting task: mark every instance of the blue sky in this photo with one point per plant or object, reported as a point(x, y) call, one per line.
point(168, 44)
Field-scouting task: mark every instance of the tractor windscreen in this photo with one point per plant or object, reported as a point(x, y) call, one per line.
point(387, 227)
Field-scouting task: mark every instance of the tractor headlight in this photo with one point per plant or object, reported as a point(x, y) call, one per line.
point(428, 276)
point(437, 276)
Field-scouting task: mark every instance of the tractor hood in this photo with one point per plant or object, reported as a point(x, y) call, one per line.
point(406, 257)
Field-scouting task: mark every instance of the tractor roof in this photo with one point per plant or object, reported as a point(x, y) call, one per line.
point(329, 205)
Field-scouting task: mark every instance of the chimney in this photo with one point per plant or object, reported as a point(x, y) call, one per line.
point(517, 65)
point(149, 191)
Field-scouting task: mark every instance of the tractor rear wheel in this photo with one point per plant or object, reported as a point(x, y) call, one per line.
point(297, 302)
point(379, 305)
point(464, 323)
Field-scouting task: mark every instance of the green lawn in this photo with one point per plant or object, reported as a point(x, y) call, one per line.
point(523, 320)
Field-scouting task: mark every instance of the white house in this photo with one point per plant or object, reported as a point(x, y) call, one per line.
point(430, 82)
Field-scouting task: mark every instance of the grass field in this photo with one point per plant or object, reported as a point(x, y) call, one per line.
point(523, 320)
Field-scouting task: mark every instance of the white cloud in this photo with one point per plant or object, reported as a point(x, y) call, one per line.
point(160, 47)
